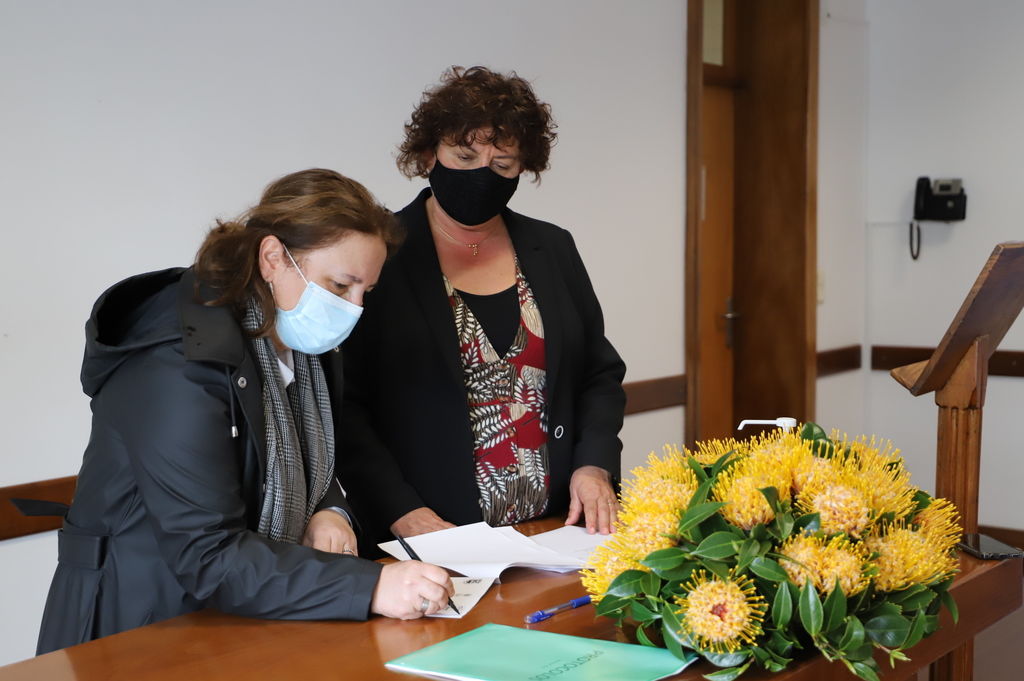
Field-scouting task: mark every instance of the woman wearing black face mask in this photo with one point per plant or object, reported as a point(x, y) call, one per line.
point(480, 386)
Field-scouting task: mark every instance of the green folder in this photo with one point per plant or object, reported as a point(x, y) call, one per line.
point(495, 652)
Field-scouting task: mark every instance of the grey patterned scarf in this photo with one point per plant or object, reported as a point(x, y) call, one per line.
point(300, 438)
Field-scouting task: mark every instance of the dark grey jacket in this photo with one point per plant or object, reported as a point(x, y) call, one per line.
point(164, 515)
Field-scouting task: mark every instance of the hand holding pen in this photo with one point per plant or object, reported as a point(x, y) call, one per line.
point(544, 614)
point(414, 556)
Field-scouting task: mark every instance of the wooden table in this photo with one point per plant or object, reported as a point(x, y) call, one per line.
point(208, 645)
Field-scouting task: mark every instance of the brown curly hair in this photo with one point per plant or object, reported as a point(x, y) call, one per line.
point(468, 100)
point(305, 210)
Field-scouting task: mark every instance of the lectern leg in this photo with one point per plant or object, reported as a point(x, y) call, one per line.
point(958, 665)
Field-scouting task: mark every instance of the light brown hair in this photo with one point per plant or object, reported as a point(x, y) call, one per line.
point(304, 210)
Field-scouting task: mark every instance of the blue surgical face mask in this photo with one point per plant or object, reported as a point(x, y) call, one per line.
point(319, 322)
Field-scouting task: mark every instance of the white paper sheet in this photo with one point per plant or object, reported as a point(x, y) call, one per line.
point(468, 592)
point(571, 540)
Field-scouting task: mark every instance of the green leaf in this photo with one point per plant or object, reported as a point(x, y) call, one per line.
point(678, 574)
point(748, 551)
point(780, 645)
point(673, 626)
point(809, 523)
point(853, 636)
point(726, 659)
point(717, 568)
point(687, 656)
point(627, 583)
point(697, 468)
point(727, 674)
point(664, 559)
point(885, 609)
point(888, 630)
point(834, 609)
point(811, 614)
point(650, 584)
point(609, 606)
point(922, 500)
point(812, 431)
point(784, 525)
point(641, 613)
point(916, 632)
point(919, 600)
point(766, 568)
point(782, 607)
point(718, 546)
point(696, 514)
point(900, 596)
point(865, 670)
point(772, 496)
point(947, 600)
point(721, 463)
point(641, 636)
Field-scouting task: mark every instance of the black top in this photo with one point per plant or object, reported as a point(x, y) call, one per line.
point(498, 314)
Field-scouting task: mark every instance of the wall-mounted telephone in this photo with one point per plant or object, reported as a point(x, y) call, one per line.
point(941, 200)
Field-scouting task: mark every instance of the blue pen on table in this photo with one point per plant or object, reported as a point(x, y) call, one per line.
point(542, 615)
point(412, 554)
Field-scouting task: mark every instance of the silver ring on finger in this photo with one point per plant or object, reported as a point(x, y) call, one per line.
point(424, 605)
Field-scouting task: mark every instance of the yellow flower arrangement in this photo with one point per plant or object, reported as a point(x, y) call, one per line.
point(744, 551)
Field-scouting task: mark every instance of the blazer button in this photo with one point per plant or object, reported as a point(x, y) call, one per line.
point(559, 432)
point(242, 382)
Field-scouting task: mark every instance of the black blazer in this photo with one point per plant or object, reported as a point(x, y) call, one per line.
point(405, 428)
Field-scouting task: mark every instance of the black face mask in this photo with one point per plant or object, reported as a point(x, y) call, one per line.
point(471, 197)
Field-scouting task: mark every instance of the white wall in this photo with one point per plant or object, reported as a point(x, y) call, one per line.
point(943, 101)
point(842, 143)
point(127, 127)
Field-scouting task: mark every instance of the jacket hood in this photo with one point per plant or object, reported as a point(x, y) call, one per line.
point(134, 314)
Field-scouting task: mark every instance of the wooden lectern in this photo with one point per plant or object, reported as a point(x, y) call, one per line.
point(957, 372)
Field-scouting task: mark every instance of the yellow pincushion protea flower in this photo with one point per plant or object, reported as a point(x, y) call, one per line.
point(739, 486)
point(907, 557)
point(721, 615)
point(885, 482)
point(824, 561)
point(941, 521)
point(651, 502)
point(710, 451)
point(854, 487)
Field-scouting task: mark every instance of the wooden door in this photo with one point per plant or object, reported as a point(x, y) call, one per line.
point(715, 308)
point(751, 203)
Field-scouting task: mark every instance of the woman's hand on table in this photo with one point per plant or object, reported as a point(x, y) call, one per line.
point(592, 497)
point(330, 531)
point(411, 589)
point(419, 521)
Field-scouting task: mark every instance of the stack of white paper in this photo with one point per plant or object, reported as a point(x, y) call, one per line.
point(479, 550)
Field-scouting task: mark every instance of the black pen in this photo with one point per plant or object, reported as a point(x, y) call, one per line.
point(414, 556)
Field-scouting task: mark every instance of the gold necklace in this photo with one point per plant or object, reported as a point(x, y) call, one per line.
point(474, 246)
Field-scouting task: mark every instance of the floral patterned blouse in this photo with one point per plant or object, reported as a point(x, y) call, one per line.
point(506, 411)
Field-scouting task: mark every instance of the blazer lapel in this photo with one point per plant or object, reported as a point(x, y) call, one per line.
point(423, 274)
point(545, 283)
